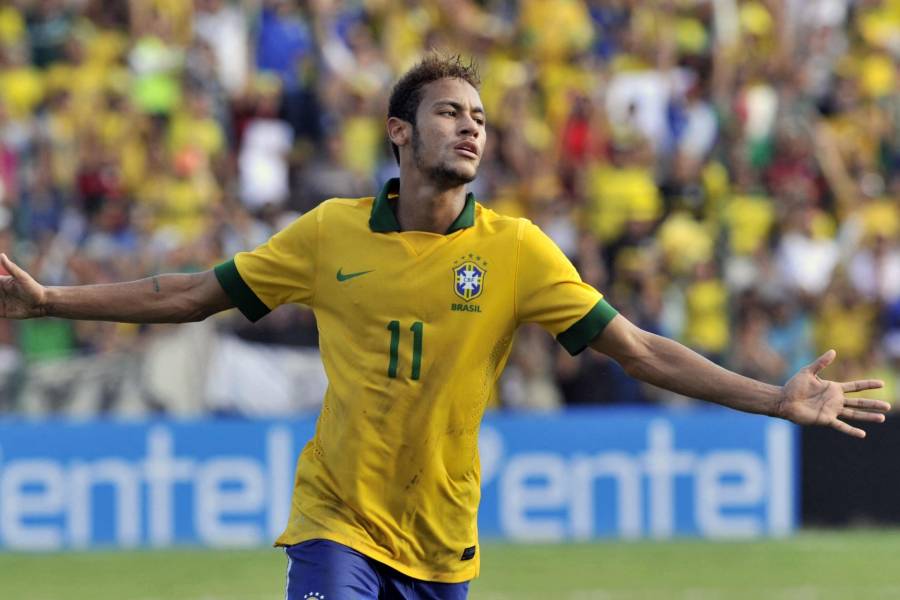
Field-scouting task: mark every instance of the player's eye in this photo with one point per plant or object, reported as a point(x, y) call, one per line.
point(452, 113)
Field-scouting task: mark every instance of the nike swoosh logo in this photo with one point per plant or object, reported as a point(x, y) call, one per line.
point(342, 277)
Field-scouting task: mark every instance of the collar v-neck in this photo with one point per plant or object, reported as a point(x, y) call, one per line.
point(383, 219)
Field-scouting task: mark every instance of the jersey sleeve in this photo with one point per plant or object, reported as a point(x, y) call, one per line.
point(550, 292)
point(281, 271)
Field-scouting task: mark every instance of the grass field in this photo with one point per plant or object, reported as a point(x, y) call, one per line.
point(811, 566)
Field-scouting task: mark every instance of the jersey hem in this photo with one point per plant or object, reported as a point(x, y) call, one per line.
point(239, 292)
point(577, 337)
point(378, 555)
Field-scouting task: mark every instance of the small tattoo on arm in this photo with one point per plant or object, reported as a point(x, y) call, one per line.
point(156, 284)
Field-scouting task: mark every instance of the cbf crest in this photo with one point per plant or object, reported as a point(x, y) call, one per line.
point(468, 276)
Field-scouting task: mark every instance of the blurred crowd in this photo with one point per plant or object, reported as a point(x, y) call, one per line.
point(727, 172)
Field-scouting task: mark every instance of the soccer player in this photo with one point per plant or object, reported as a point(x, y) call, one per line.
point(417, 293)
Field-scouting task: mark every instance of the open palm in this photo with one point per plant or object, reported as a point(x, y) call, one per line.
point(21, 297)
point(809, 400)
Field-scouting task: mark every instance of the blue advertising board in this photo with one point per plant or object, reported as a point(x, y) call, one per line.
point(616, 473)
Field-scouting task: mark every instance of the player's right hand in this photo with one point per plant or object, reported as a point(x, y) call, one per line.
point(21, 297)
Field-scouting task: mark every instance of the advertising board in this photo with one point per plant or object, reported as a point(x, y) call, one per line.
point(600, 473)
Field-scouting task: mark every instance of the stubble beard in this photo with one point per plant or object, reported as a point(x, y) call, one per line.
point(442, 176)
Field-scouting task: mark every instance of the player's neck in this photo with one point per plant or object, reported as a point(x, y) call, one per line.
point(424, 207)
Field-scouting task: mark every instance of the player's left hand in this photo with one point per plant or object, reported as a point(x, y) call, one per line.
point(808, 400)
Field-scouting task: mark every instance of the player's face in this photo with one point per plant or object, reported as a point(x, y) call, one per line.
point(449, 135)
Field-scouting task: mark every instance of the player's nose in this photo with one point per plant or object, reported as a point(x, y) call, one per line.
point(468, 126)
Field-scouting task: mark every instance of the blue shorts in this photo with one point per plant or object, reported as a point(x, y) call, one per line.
point(325, 570)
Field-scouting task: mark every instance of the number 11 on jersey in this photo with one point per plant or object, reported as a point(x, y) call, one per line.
point(418, 329)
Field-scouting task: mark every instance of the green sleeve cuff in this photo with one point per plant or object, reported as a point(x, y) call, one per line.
point(240, 293)
point(577, 337)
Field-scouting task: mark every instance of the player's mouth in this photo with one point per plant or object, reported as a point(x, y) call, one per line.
point(467, 149)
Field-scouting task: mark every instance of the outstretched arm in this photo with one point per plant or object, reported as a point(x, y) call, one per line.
point(175, 298)
point(805, 399)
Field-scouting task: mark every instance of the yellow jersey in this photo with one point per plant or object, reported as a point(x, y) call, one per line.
point(415, 329)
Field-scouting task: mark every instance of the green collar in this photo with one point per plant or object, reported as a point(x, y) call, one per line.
point(383, 219)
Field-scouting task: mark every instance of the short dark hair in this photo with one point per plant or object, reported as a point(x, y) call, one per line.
point(407, 93)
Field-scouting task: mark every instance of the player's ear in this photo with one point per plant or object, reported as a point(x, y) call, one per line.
point(399, 131)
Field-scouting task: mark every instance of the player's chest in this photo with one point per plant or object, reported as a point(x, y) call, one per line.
point(436, 280)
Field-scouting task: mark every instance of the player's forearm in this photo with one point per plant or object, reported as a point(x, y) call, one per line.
point(175, 298)
point(672, 366)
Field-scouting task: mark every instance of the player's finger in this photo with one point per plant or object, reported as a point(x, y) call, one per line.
point(862, 415)
point(12, 268)
point(862, 384)
point(868, 404)
point(849, 430)
point(821, 362)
